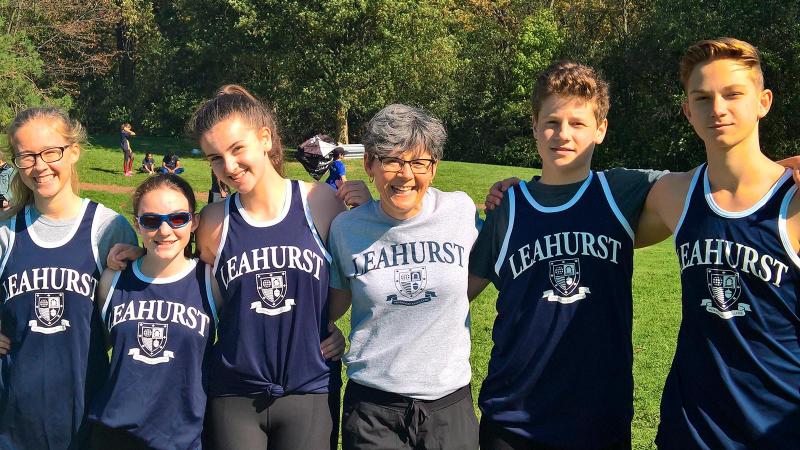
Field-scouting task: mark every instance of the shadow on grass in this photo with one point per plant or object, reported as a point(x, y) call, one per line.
point(101, 169)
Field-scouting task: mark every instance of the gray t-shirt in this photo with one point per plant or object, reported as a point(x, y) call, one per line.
point(410, 318)
point(108, 228)
point(629, 187)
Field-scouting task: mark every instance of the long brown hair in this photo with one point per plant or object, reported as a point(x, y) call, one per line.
point(234, 100)
point(70, 129)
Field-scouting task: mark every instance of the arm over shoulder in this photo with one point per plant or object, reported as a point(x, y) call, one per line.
point(112, 229)
point(793, 222)
point(663, 208)
point(487, 247)
point(324, 207)
point(104, 287)
point(209, 230)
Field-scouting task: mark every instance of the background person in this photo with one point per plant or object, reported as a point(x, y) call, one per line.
point(171, 164)
point(57, 358)
point(148, 164)
point(6, 175)
point(124, 142)
point(337, 171)
point(402, 263)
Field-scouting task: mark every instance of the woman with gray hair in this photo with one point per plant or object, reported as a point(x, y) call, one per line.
point(401, 261)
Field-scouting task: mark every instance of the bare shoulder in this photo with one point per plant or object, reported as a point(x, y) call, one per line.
point(324, 206)
point(209, 230)
point(668, 195)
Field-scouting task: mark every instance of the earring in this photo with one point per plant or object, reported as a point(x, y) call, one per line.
point(371, 178)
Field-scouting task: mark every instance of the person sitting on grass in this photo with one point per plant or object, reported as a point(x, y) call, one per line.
point(171, 164)
point(148, 164)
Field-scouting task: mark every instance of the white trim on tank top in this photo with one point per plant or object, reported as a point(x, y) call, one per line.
point(224, 236)
point(212, 301)
point(137, 271)
point(67, 238)
point(687, 200)
point(512, 207)
point(287, 205)
point(613, 204)
point(12, 225)
point(784, 232)
point(739, 214)
point(310, 221)
point(112, 287)
point(554, 209)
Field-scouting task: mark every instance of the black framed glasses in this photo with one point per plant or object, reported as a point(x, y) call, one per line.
point(174, 220)
point(48, 155)
point(418, 166)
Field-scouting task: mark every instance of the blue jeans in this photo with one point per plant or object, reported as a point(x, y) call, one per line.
point(178, 171)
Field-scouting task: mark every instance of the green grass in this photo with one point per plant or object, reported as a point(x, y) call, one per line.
point(656, 283)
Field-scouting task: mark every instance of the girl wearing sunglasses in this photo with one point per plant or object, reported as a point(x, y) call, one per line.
point(272, 383)
point(54, 246)
point(160, 313)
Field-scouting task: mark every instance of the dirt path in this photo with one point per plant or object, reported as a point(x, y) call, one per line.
point(115, 189)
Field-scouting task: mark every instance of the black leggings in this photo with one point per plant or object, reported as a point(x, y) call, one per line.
point(309, 421)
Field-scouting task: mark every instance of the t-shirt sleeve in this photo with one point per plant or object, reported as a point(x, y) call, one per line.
point(630, 188)
point(337, 278)
point(490, 240)
point(112, 229)
point(340, 167)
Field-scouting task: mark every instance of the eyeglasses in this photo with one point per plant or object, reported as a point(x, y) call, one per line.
point(174, 220)
point(48, 155)
point(418, 166)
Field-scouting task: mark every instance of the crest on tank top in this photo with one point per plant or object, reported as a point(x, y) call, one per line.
point(565, 277)
point(271, 287)
point(411, 284)
point(152, 339)
point(725, 288)
point(49, 307)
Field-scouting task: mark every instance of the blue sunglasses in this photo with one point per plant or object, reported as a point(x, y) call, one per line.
point(174, 220)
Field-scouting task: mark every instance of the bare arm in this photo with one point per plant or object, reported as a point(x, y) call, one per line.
point(475, 285)
point(324, 207)
point(793, 222)
point(339, 301)
point(104, 287)
point(209, 231)
point(663, 208)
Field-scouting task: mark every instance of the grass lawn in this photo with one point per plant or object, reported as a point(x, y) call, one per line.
point(656, 283)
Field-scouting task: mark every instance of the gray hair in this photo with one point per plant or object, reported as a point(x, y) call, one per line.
point(399, 128)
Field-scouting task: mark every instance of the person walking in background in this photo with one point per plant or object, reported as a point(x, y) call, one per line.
point(54, 246)
point(336, 176)
point(171, 164)
point(124, 142)
point(148, 164)
point(6, 174)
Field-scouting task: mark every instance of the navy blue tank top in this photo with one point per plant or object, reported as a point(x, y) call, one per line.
point(57, 360)
point(735, 378)
point(161, 329)
point(560, 371)
point(274, 281)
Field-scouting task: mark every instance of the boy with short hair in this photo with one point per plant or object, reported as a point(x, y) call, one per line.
point(736, 372)
point(171, 164)
point(560, 251)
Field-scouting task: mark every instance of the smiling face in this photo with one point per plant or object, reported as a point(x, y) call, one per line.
point(566, 131)
point(401, 193)
point(165, 243)
point(725, 102)
point(238, 154)
point(46, 180)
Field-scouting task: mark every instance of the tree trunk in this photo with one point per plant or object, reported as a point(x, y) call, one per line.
point(342, 131)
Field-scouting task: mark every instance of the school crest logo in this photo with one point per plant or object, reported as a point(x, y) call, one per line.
point(49, 308)
point(271, 287)
point(410, 283)
point(725, 288)
point(565, 277)
point(152, 338)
